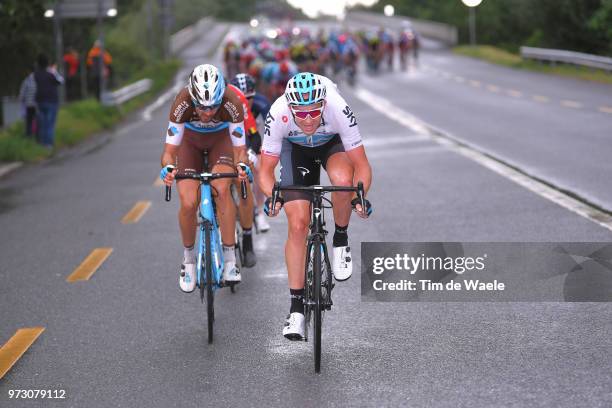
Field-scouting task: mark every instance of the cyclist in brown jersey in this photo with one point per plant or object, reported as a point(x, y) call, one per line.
point(205, 115)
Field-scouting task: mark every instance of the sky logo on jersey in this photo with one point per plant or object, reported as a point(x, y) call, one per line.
point(269, 120)
point(350, 116)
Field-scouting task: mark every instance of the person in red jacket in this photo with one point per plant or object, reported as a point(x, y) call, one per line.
point(71, 70)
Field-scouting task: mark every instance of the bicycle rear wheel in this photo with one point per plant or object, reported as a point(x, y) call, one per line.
point(210, 293)
point(317, 307)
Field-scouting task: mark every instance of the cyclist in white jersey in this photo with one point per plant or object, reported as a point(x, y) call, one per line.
point(312, 125)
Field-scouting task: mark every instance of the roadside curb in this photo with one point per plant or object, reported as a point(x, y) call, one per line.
point(6, 168)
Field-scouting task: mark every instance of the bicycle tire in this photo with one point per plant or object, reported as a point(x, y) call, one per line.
point(307, 289)
point(316, 283)
point(210, 293)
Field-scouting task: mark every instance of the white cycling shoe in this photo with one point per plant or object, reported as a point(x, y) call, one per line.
point(261, 222)
point(294, 327)
point(343, 263)
point(231, 273)
point(187, 280)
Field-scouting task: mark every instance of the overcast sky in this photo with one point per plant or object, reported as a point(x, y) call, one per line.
point(312, 8)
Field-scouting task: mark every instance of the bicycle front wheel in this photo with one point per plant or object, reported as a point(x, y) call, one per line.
point(316, 291)
point(210, 293)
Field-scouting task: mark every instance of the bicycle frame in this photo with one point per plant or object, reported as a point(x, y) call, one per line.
point(208, 220)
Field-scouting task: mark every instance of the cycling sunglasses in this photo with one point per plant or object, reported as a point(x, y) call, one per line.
point(207, 108)
point(314, 113)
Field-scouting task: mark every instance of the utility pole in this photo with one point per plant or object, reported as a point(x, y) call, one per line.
point(59, 47)
point(166, 21)
point(102, 80)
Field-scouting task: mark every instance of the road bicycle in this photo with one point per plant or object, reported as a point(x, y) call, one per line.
point(210, 262)
point(318, 283)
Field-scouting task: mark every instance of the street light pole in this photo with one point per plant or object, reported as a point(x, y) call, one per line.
point(472, 4)
point(473, 26)
point(102, 80)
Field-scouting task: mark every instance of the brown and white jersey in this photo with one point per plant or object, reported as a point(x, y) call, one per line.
point(183, 115)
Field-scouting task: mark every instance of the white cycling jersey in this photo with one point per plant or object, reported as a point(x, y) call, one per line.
point(337, 119)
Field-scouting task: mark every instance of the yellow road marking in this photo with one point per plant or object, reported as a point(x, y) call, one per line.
point(136, 213)
point(158, 182)
point(540, 98)
point(90, 265)
point(605, 109)
point(514, 93)
point(17, 346)
point(475, 83)
point(493, 88)
point(571, 104)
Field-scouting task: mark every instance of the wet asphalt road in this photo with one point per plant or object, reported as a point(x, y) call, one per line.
point(129, 338)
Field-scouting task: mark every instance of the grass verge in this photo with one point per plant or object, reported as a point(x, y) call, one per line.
point(78, 120)
point(502, 57)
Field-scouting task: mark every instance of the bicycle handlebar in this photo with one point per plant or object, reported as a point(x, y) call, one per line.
point(205, 177)
point(319, 190)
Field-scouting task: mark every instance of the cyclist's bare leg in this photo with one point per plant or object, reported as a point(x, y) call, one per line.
point(188, 195)
point(226, 210)
point(298, 217)
point(340, 171)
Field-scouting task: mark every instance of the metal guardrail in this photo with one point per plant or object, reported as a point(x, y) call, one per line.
point(181, 39)
point(567, 57)
point(126, 93)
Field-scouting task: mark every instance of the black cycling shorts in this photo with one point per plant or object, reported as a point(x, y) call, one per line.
point(301, 166)
point(253, 142)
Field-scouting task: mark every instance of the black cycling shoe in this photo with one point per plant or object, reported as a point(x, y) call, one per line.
point(248, 256)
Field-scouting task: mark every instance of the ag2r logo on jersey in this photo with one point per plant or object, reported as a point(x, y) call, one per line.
point(172, 130)
point(350, 116)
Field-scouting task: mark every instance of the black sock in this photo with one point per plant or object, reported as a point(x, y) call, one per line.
point(297, 301)
point(247, 231)
point(247, 240)
point(340, 236)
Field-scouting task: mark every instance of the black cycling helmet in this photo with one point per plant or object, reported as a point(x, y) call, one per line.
point(245, 83)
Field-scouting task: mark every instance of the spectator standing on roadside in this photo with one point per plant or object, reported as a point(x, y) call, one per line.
point(47, 98)
point(71, 70)
point(93, 67)
point(27, 97)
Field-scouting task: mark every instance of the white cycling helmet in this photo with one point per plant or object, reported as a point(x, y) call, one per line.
point(206, 85)
point(305, 88)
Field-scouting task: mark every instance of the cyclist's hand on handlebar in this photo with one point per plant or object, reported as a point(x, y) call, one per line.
point(268, 204)
point(244, 172)
point(357, 207)
point(167, 174)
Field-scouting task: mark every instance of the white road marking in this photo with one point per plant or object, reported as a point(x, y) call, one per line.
point(385, 107)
